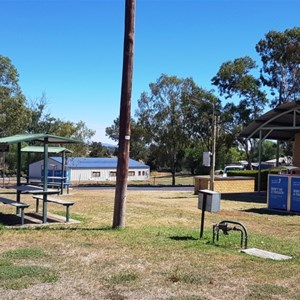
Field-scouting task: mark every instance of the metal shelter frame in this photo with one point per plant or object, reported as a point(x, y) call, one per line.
point(280, 123)
point(55, 150)
point(45, 139)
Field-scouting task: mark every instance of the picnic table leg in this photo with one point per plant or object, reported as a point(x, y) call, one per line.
point(18, 200)
point(62, 187)
point(44, 209)
point(22, 215)
point(37, 205)
point(67, 213)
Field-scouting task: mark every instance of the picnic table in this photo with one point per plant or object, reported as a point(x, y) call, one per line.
point(59, 182)
point(53, 181)
point(45, 139)
point(36, 190)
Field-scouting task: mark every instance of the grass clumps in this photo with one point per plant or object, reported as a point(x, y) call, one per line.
point(24, 253)
point(267, 291)
point(16, 276)
point(122, 277)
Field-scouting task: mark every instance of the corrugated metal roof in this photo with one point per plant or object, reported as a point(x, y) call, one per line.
point(38, 137)
point(100, 162)
point(280, 123)
point(39, 149)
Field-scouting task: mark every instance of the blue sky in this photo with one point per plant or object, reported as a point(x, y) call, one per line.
point(71, 50)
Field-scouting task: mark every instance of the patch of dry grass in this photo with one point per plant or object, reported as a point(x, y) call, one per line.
point(156, 179)
point(159, 254)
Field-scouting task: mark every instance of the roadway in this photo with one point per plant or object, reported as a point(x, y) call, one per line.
point(138, 188)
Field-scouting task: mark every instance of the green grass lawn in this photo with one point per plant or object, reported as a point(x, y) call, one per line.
point(157, 256)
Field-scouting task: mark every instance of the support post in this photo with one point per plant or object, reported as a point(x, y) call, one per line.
point(45, 180)
point(259, 160)
point(203, 215)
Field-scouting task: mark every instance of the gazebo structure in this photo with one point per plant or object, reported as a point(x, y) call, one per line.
point(51, 150)
point(281, 123)
point(44, 140)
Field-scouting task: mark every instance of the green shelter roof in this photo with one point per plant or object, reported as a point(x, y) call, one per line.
point(40, 149)
point(41, 137)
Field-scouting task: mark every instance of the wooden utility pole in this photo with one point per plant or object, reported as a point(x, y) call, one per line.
point(125, 106)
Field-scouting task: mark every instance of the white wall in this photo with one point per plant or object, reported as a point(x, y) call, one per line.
point(35, 169)
point(78, 175)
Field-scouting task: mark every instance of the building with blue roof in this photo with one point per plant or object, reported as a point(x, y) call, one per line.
point(87, 169)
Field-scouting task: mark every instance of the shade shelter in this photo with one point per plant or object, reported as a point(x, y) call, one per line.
point(51, 150)
point(281, 123)
point(45, 140)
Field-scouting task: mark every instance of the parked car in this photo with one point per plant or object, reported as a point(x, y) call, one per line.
point(232, 168)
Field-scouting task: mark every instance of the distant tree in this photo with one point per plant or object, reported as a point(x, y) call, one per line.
point(113, 131)
point(41, 120)
point(268, 151)
point(234, 79)
point(138, 140)
point(14, 115)
point(161, 115)
point(199, 114)
point(193, 158)
point(77, 131)
point(97, 150)
point(234, 155)
point(280, 55)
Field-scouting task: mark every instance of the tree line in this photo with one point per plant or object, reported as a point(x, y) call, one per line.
point(171, 132)
point(26, 116)
point(168, 130)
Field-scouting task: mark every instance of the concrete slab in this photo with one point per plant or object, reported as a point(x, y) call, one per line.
point(265, 254)
point(34, 220)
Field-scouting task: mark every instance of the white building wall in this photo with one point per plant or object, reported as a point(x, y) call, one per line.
point(80, 175)
point(88, 175)
point(35, 169)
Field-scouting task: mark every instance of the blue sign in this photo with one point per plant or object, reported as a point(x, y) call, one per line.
point(278, 191)
point(295, 194)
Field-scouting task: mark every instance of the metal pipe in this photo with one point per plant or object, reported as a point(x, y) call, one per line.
point(242, 230)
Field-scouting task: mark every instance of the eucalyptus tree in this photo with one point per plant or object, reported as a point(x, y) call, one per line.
point(162, 115)
point(97, 150)
point(234, 80)
point(280, 55)
point(14, 115)
point(43, 122)
point(200, 108)
point(138, 140)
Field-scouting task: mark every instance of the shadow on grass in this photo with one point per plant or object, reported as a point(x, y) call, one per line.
point(267, 211)
point(34, 223)
point(183, 238)
point(256, 197)
point(57, 227)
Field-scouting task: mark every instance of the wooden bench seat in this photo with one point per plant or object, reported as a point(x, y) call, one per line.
point(19, 206)
point(65, 203)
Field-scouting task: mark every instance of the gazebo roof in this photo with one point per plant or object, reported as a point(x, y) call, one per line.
point(40, 149)
point(280, 123)
point(41, 137)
